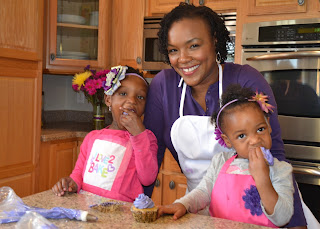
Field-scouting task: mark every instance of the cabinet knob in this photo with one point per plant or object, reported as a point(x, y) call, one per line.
point(187, 1)
point(300, 2)
point(138, 60)
point(157, 184)
point(52, 56)
point(201, 2)
point(172, 185)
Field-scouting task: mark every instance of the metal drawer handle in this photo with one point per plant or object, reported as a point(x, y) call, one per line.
point(286, 55)
point(172, 185)
point(157, 184)
point(308, 171)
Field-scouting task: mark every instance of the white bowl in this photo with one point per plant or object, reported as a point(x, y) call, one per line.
point(69, 18)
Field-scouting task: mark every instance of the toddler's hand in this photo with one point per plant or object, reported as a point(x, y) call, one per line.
point(176, 209)
point(131, 121)
point(258, 167)
point(66, 184)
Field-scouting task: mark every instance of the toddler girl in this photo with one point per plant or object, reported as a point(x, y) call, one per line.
point(116, 161)
point(245, 186)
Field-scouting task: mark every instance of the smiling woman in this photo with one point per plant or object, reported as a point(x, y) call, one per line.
point(182, 99)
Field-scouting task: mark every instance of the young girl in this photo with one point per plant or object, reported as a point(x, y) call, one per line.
point(116, 161)
point(242, 186)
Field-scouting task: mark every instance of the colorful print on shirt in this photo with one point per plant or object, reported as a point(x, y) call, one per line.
point(103, 164)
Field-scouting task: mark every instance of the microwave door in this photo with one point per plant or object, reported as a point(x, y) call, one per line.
point(152, 59)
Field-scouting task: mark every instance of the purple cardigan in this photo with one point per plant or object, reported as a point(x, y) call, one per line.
point(163, 101)
point(162, 108)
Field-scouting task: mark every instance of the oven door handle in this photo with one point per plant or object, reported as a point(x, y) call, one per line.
point(305, 170)
point(285, 55)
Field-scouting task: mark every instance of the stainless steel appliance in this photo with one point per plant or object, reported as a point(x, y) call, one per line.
point(152, 60)
point(287, 53)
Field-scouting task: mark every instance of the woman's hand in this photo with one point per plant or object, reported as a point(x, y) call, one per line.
point(131, 121)
point(176, 209)
point(66, 184)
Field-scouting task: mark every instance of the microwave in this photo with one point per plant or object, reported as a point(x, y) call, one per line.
point(153, 60)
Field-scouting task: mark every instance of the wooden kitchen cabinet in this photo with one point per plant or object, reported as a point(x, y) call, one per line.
point(261, 7)
point(127, 32)
point(57, 159)
point(77, 34)
point(172, 184)
point(160, 7)
point(21, 42)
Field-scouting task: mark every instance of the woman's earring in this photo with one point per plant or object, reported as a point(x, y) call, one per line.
point(109, 108)
point(218, 57)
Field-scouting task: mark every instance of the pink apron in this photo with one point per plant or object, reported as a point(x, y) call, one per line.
point(227, 198)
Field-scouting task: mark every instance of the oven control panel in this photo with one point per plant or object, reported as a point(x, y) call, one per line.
point(295, 32)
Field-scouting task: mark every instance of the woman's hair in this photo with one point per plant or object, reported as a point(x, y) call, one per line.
point(216, 24)
point(233, 92)
point(133, 70)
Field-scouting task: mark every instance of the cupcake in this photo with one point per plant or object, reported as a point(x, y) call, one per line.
point(143, 209)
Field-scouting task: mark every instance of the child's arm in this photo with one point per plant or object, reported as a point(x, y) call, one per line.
point(77, 173)
point(145, 150)
point(281, 180)
point(200, 197)
point(260, 173)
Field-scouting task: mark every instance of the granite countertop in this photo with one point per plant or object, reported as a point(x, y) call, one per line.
point(65, 130)
point(122, 218)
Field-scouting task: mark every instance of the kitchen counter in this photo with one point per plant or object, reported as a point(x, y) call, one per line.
point(122, 218)
point(65, 130)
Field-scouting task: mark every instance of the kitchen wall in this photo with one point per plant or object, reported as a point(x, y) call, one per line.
point(59, 95)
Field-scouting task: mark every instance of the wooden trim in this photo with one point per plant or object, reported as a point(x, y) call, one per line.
point(16, 53)
point(16, 169)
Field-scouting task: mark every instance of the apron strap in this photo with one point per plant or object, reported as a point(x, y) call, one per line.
point(184, 88)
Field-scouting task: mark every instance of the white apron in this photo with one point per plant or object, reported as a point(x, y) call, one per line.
point(194, 140)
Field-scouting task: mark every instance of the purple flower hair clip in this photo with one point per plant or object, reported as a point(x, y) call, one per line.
point(262, 100)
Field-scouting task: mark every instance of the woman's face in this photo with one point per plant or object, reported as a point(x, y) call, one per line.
point(191, 50)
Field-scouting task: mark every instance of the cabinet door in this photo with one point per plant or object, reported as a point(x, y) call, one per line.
point(174, 187)
point(261, 7)
point(57, 160)
point(162, 6)
point(62, 160)
point(20, 93)
point(219, 5)
point(78, 34)
point(157, 191)
point(127, 27)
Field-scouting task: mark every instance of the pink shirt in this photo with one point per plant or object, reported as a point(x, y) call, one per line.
point(115, 164)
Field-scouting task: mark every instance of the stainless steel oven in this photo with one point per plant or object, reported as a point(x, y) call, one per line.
point(152, 60)
point(287, 53)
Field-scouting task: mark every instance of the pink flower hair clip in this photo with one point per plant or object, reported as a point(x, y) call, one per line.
point(262, 100)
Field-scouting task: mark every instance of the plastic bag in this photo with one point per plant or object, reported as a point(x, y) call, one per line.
point(33, 220)
point(12, 209)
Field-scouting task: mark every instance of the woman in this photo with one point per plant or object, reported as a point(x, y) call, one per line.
point(182, 99)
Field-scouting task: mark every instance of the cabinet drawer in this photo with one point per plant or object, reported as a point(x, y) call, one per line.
point(174, 187)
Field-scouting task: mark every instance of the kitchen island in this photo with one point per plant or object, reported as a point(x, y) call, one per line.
point(122, 218)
